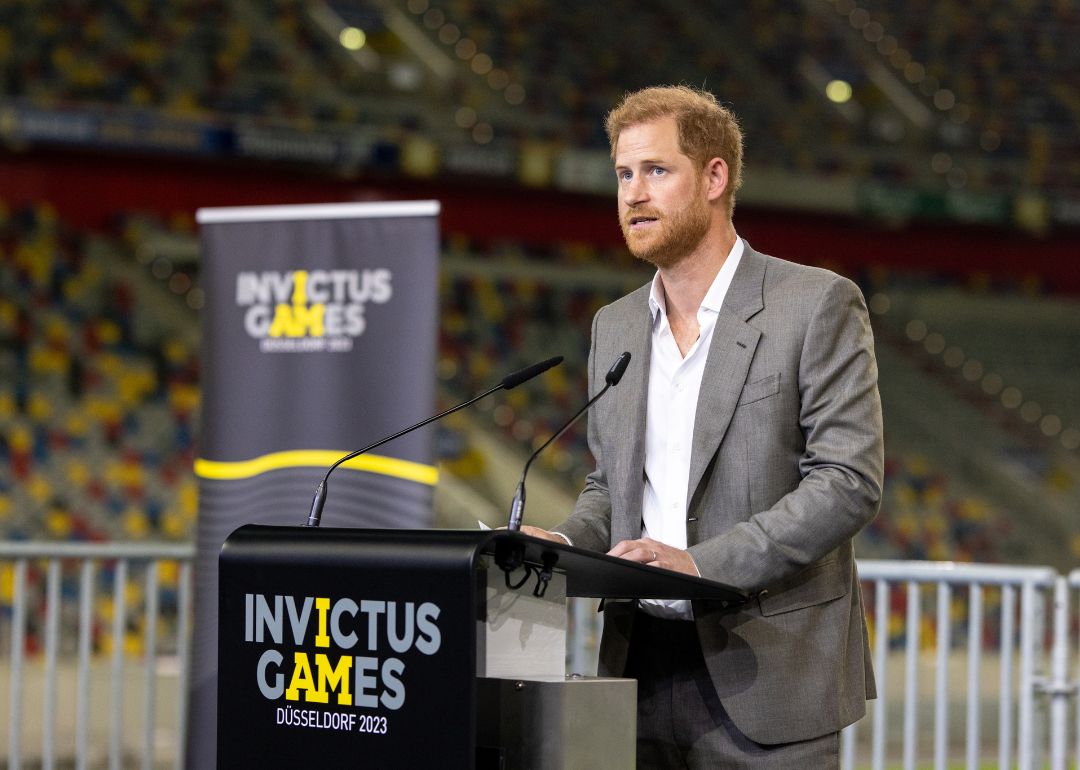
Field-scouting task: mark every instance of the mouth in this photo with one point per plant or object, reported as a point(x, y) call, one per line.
point(639, 222)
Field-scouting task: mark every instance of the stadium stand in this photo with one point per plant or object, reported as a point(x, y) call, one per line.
point(518, 90)
point(98, 405)
point(99, 416)
point(1012, 64)
point(932, 408)
point(188, 58)
point(1030, 342)
point(269, 65)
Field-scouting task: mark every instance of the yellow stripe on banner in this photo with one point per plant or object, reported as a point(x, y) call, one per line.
point(319, 458)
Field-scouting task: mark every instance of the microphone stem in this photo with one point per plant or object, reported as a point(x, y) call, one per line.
point(317, 505)
point(320, 495)
point(518, 507)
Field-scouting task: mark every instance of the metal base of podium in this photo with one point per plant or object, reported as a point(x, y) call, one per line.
point(571, 723)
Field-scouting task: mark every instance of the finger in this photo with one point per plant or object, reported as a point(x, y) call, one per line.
point(654, 548)
point(640, 555)
point(623, 547)
point(677, 562)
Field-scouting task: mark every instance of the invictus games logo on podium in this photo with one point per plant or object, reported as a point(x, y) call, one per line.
point(303, 311)
point(389, 632)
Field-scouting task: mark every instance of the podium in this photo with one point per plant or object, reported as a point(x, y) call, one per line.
point(367, 648)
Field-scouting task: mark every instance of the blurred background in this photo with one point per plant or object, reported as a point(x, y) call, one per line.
point(926, 149)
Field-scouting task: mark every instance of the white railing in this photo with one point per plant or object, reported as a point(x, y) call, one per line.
point(1032, 583)
point(1005, 603)
point(87, 555)
point(1026, 697)
point(1060, 684)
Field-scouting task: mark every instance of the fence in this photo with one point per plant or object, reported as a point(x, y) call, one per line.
point(121, 560)
point(1002, 610)
point(1032, 583)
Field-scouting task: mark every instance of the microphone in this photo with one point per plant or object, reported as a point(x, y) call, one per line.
point(611, 379)
point(509, 382)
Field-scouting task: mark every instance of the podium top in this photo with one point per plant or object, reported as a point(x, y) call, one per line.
point(588, 573)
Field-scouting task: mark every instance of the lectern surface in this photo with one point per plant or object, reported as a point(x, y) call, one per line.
point(597, 575)
point(588, 573)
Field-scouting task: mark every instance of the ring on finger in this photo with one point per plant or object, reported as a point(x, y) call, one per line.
point(654, 555)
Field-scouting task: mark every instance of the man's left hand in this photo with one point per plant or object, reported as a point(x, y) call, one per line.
point(655, 554)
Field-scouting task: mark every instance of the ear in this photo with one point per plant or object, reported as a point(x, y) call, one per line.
point(716, 178)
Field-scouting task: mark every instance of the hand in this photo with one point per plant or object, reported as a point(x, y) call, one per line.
point(543, 534)
point(655, 554)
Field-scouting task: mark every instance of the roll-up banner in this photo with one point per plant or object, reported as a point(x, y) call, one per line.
point(319, 335)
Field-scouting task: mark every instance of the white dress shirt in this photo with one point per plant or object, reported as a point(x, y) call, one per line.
point(674, 383)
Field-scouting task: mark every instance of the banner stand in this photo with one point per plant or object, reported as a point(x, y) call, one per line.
point(319, 336)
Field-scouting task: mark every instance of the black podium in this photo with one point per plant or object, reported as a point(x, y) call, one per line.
point(367, 648)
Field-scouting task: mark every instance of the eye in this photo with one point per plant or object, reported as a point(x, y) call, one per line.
point(658, 171)
point(625, 176)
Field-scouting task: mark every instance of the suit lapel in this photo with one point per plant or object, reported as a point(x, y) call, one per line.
point(632, 395)
point(730, 353)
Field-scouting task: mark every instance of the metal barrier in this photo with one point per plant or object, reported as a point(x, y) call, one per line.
point(1032, 583)
point(890, 579)
point(1061, 686)
point(124, 554)
point(1018, 613)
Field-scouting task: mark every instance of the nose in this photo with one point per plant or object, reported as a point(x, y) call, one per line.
point(634, 192)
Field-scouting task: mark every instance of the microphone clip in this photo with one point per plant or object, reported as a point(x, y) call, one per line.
point(544, 577)
point(510, 555)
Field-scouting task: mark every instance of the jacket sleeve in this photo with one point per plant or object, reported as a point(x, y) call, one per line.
point(589, 524)
point(843, 464)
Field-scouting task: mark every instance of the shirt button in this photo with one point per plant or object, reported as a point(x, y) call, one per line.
point(679, 387)
point(674, 505)
point(678, 446)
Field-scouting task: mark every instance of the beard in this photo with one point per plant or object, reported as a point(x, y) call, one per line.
point(676, 237)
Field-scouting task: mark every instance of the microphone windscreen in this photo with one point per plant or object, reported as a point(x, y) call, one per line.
point(526, 374)
point(618, 369)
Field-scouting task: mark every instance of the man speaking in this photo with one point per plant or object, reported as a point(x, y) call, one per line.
point(743, 445)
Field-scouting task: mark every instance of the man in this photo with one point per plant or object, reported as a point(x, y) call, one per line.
point(744, 445)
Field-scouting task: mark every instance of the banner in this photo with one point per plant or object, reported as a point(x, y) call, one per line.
point(319, 337)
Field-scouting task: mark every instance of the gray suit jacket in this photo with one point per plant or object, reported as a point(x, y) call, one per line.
point(786, 468)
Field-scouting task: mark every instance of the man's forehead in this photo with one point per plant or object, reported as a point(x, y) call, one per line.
point(652, 140)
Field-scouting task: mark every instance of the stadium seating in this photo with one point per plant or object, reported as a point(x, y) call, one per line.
point(990, 467)
point(267, 62)
point(272, 63)
point(96, 424)
point(98, 418)
point(1031, 341)
point(1012, 64)
point(994, 80)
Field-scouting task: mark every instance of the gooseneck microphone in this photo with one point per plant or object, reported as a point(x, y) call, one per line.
point(611, 379)
point(509, 382)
